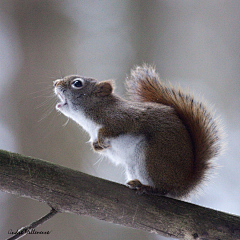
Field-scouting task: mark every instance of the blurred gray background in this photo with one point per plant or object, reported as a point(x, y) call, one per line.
point(194, 43)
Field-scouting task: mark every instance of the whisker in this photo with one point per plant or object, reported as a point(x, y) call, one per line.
point(45, 102)
point(42, 91)
point(98, 161)
point(46, 114)
point(65, 124)
point(44, 96)
point(49, 107)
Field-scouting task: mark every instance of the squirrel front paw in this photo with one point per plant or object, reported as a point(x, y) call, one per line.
point(97, 147)
point(103, 139)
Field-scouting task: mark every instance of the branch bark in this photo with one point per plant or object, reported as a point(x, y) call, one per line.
point(68, 190)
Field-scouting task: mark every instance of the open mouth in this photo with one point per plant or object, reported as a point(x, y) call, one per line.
point(62, 98)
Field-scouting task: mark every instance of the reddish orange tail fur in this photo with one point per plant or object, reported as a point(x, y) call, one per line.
point(144, 85)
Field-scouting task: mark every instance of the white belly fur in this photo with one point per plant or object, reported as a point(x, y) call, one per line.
point(128, 151)
point(123, 148)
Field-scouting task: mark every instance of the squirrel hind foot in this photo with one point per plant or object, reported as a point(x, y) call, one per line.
point(144, 189)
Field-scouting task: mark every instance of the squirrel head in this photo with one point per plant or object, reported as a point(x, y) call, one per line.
point(76, 92)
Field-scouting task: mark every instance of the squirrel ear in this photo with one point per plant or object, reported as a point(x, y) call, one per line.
point(104, 88)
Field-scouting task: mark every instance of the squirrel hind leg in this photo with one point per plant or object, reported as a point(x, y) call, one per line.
point(144, 189)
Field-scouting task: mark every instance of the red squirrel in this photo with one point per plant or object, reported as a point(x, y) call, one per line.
point(164, 138)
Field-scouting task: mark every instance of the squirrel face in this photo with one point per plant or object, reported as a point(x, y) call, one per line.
point(76, 92)
point(72, 90)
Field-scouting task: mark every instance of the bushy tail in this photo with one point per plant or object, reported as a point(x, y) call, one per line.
point(144, 85)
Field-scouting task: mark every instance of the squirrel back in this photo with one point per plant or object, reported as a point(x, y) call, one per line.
point(144, 85)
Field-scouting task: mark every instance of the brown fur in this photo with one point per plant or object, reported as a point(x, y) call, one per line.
point(144, 85)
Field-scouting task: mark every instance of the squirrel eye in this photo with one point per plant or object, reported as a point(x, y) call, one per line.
point(77, 83)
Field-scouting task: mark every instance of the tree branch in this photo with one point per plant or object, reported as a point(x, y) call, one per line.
point(24, 230)
point(72, 191)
